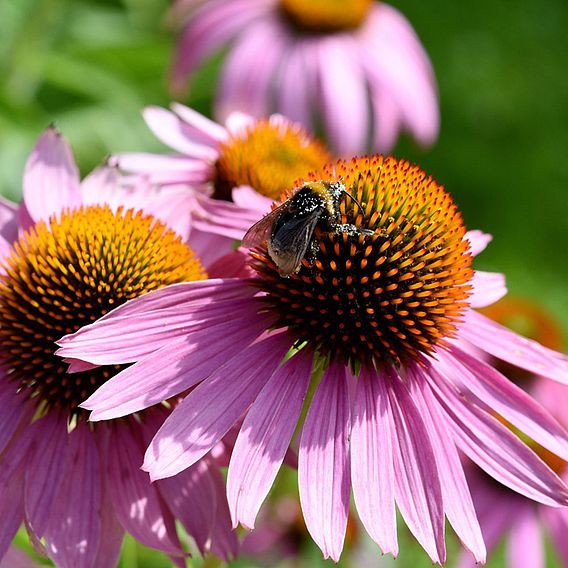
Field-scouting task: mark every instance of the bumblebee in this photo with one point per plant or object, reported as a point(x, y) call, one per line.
point(289, 229)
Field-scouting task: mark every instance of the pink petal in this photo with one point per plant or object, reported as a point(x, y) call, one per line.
point(478, 241)
point(11, 509)
point(16, 410)
point(246, 79)
point(488, 288)
point(387, 120)
point(525, 548)
point(323, 463)
point(149, 381)
point(207, 129)
point(504, 344)
point(207, 413)
point(192, 496)
point(458, 503)
point(211, 27)
point(232, 265)
point(145, 324)
point(166, 169)
point(102, 185)
point(8, 220)
point(556, 520)
point(417, 484)
point(136, 501)
point(343, 95)
point(74, 530)
point(173, 132)
point(45, 470)
point(493, 447)
point(264, 438)
point(112, 535)
point(504, 397)
point(396, 61)
point(372, 470)
point(51, 178)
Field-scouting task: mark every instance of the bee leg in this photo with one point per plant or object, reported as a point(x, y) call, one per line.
point(352, 230)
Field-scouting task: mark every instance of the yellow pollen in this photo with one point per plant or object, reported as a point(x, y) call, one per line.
point(69, 272)
point(325, 16)
point(393, 268)
point(270, 156)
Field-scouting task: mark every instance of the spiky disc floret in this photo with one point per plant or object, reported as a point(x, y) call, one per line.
point(385, 297)
point(66, 274)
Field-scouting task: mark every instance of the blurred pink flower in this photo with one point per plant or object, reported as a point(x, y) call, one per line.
point(506, 515)
point(379, 328)
point(356, 67)
point(233, 172)
point(70, 252)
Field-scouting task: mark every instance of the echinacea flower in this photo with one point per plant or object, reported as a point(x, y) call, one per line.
point(233, 172)
point(356, 67)
point(371, 341)
point(502, 514)
point(71, 252)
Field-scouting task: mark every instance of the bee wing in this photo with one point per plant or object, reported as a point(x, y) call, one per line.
point(262, 229)
point(289, 247)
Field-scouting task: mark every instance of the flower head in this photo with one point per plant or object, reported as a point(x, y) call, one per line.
point(67, 259)
point(233, 172)
point(370, 343)
point(356, 66)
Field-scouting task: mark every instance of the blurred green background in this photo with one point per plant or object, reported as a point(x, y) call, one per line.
point(90, 66)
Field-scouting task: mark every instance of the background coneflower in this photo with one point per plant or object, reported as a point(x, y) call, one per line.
point(70, 253)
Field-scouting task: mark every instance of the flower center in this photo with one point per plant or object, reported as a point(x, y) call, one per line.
point(66, 274)
point(381, 284)
point(325, 16)
point(269, 156)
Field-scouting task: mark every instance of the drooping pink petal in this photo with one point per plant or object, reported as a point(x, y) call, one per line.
point(323, 463)
point(232, 265)
point(209, 29)
point(417, 483)
point(488, 287)
point(149, 381)
point(165, 169)
point(8, 220)
point(478, 241)
point(16, 558)
point(343, 101)
point(396, 61)
point(74, 530)
point(137, 502)
point(387, 120)
point(246, 80)
point(11, 509)
point(372, 470)
point(525, 547)
point(207, 413)
point(264, 438)
point(45, 470)
point(112, 534)
point(458, 503)
point(203, 127)
point(556, 521)
point(504, 344)
point(504, 397)
point(16, 410)
point(51, 178)
point(145, 324)
point(173, 132)
point(492, 446)
point(192, 495)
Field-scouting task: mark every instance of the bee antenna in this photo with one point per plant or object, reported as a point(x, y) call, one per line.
point(343, 190)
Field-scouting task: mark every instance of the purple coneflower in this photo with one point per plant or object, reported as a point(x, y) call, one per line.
point(356, 66)
point(502, 513)
point(233, 172)
point(71, 252)
point(367, 345)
